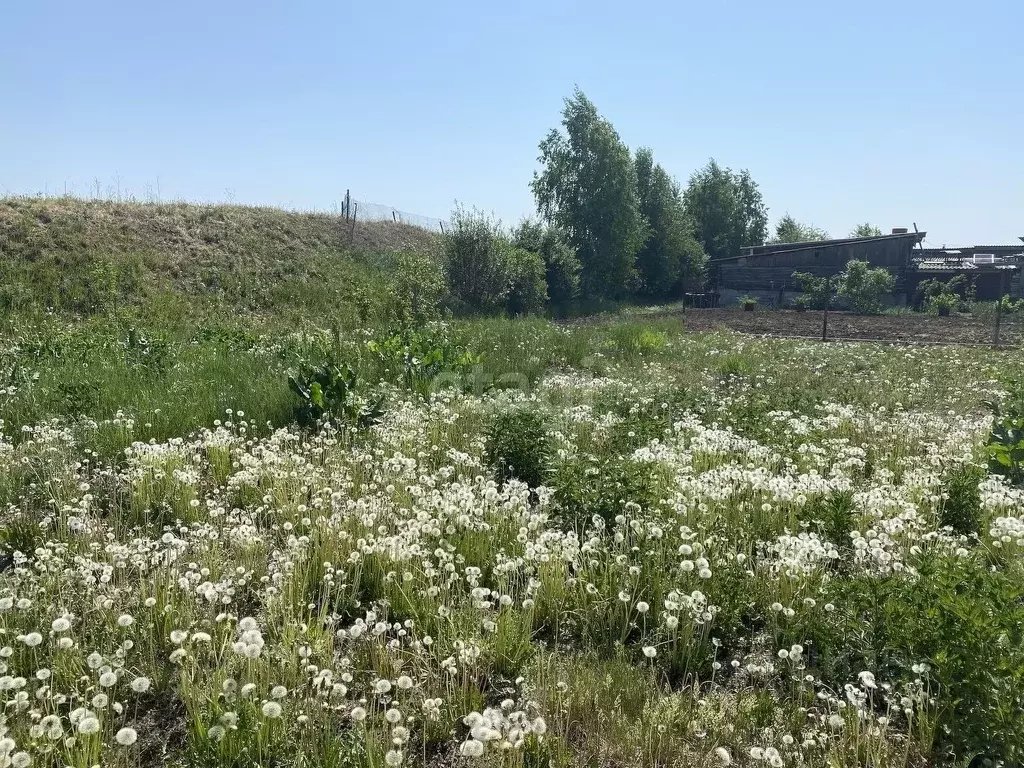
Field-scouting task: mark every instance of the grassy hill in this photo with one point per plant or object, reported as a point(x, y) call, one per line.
point(85, 256)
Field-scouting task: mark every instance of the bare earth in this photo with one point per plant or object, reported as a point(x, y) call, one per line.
point(929, 329)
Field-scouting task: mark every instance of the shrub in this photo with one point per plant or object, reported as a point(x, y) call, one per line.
point(816, 290)
point(416, 286)
point(602, 486)
point(1006, 441)
point(474, 261)
point(863, 288)
point(327, 396)
point(561, 264)
point(943, 303)
point(527, 289)
point(747, 302)
point(961, 505)
point(517, 447)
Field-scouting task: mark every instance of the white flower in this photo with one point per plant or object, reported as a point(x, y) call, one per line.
point(642, 607)
point(393, 757)
point(471, 748)
point(358, 714)
point(382, 686)
point(723, 755)
point(216, 732)
point(278, 692)
point(126, 737)
point(393, 716)
point(650, 651)
point(32, 639)
point(140, 684)
point(178, 636)
point(404, 682)
point(108, 679)
point(60, 625)
point(125, 620)
point(21, 760)
point(271, 709)
point(88, 725)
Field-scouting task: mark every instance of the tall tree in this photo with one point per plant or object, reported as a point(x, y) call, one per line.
point(789, 230)
point(727, 210)
point(866, 229)
point(587, 188)
point(671, 254)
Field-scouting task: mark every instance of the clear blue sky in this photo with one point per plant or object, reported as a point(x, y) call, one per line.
point(895, 112)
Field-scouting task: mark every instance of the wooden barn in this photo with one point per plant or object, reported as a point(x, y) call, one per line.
point(766, 271)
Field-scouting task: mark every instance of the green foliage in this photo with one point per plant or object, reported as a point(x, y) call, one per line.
point(1005, 444)
point(943, 303)
point(961, 500)
point(587, 187)
point(747, 302)
point(527, 291)
point(486, 273)
point(866, 230)
point(561, 264)
point(670, 257)
point(416, 287)
point(474, 260)
point(600, 487)
point(425, 361)
point(327, 395)
point(817, 291)
point(965, 622)
point(863, 287)
point(517, 447)
point(727, 209)
point(789, 230)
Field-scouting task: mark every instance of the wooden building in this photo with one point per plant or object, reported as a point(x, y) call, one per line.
point(994, 270)
point(766, 271)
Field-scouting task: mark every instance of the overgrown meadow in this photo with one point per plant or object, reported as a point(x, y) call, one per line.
point(505, 543)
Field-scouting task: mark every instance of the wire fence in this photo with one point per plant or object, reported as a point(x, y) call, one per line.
point(355, 210)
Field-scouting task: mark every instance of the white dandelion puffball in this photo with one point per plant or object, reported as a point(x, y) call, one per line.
point(271, 709)
point(126, 737)
point(32, 639)
point(358, 714)
point(60, 625)
point(140, 684)
point(393, 716)
point(88, 725)
point(125, 620)
point(178, 636)
point(278, 692)
point(393, 757)
point(108, 679)
point(471, 748)
point(723, 755)
point(21, 760)
point(650, 651)
point(404, 682)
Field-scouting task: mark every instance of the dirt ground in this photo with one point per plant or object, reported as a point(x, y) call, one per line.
point(961, 329)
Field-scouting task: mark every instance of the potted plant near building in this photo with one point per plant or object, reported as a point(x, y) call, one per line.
point(749, 303)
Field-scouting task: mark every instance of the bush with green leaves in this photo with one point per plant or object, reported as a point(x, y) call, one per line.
point(561, 264)
point(415, 290)
point(961, 500)
point(816, 290)
point(864, 287)
point(486, 273)
point(527, 287)
point(517, 447)
point(1005, 444)
point(424, 360)
point(601, 486)
point(327, 395)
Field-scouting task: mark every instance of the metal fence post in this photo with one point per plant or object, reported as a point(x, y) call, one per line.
point(828, 300)
point(999, 312)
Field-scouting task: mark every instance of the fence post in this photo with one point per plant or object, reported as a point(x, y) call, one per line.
point(348, 204)
point(828, 300)
point(999, 312)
